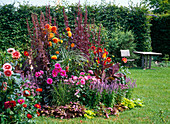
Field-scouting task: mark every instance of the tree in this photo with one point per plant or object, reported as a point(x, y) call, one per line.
point(158, 6)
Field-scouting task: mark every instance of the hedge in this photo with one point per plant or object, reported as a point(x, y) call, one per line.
point(13, 30)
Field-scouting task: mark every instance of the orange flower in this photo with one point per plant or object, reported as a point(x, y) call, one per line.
point(51, 35)
point(39, 89)
point(54, 57)
point(56, 40)
point(68, 29)
point(104, 55)
point(72, 45)
point(54, 28)
point(50, 44)
point(47, 26)
point(57, 52)
point(105, 62)
point(124, 60)
point(69, 33)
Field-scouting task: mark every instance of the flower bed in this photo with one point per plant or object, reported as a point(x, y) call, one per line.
point(65, 75)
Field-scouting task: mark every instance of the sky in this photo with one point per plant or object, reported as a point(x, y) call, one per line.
point(52, 2)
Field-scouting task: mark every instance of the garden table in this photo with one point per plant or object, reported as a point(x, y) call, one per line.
point(146, 55)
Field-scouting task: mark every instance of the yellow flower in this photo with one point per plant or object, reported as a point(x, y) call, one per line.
point(61, 41)
point(50, 44)
point(87, 61)
point(69, 33)
point(54, 57)
point(51, 35)
point(72, 45)
point(113, 56)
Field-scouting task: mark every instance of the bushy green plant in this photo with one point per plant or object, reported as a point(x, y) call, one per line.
point(121, 40)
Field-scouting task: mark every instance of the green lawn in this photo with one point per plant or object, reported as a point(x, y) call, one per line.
point(153, 86)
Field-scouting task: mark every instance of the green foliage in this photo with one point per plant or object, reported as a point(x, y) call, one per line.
point(108, 99)
point(121, 40)
point(158, 6)
point(62, 94)
point(160, 31)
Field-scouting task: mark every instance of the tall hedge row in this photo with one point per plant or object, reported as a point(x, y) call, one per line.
point(13, 30)
point(160, 34)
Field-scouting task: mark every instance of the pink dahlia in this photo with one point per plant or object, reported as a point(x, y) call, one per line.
point(49, 81)
point(63, 73)
point(20, 101)
point(90, 71)
point(55, 72)
point(57, 65)
point(82, 73)
point(83, 82)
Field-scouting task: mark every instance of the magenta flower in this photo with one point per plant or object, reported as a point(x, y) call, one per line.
point(63, 73)
point(57, 65)
point(83, 82)
point(49, 81)
point(54, 73)
point(20, 101)
point(90, 71)
point(42, 72)
point(82, 73)
point(37, 74)
point(58, 69)
point(89, 77)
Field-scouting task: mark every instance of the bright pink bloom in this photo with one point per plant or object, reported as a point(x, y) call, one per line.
point(42, 72)
point(77, 91)
point(54, 73)
point(7, 66)
point(63, 73)
point(75, 78)
point(49, 81)
point(57, 65)
point(90, 71)
point(37, 74)
point(89, 77)
point(20, 101)
point(58, 69)
point(82, 73)
point(81, 77)
point(16, 55)
point(8, 73)
point(83, 82)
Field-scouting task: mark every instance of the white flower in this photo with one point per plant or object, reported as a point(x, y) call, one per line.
point(7, 66)
point(10, 50)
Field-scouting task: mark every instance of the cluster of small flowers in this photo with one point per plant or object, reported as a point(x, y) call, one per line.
point(55, 72)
